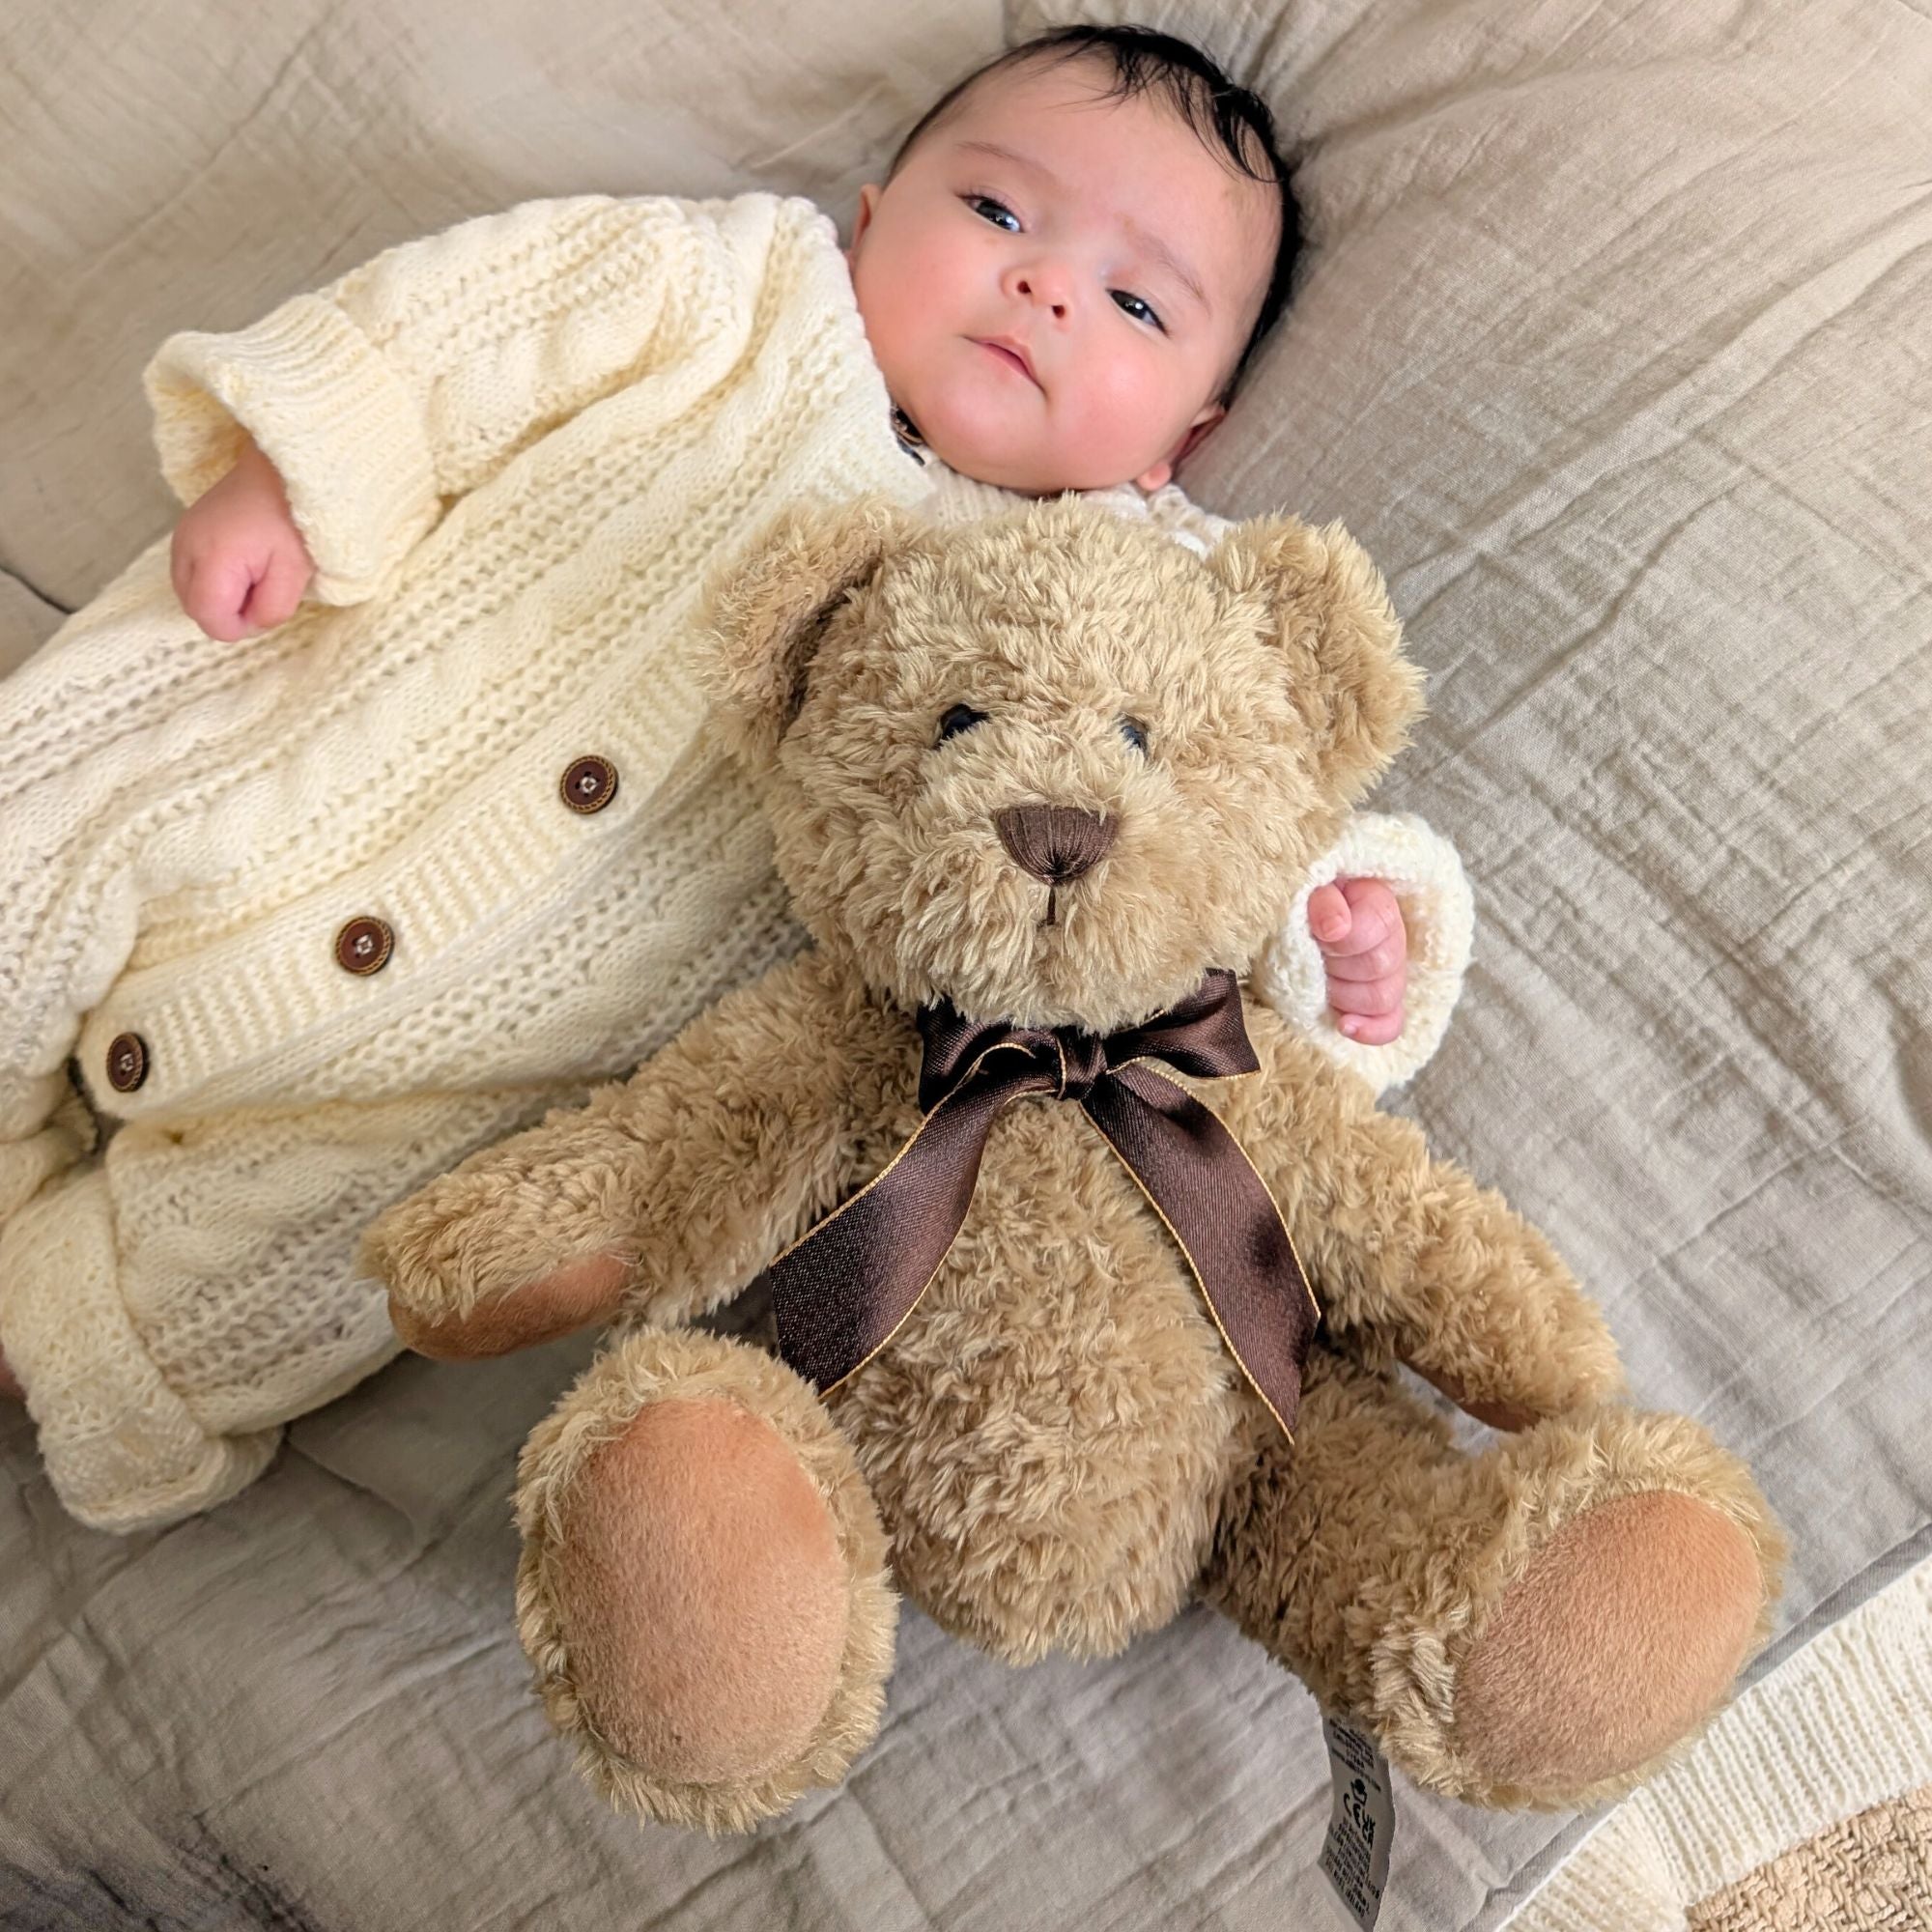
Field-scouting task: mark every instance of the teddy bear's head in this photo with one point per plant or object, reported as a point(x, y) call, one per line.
point(1053, 766)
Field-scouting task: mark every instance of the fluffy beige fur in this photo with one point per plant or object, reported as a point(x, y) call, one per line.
point(1056, 1450)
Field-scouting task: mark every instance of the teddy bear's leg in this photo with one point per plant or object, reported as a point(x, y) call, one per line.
point(1535, 1625)
point(703, 1587)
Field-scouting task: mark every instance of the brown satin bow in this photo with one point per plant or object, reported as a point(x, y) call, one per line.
point(841, 1291)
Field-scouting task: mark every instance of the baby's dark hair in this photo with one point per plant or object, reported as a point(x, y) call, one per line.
point(1230, 119)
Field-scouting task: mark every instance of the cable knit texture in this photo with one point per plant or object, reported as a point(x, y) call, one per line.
point(515, 450)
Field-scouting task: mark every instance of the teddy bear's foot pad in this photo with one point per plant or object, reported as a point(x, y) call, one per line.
point(704, 1588)
point(706, 1594)
point(1558, 1701)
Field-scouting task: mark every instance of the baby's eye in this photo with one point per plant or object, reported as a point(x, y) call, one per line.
point(980, 202)
point(1137, 309)
point(1135, 733)
point(961, 717)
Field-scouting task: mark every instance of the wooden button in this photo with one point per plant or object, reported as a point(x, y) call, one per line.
point(363, 945)
point(590, 785)
point(126, 1062)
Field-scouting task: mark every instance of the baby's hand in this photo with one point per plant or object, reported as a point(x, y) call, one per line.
point(238, 563)
point(1357, 923)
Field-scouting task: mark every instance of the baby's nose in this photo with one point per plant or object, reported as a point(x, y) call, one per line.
point(1041, 283)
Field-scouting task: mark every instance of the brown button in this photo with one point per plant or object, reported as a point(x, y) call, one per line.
point(126, 1062)
point(590, 785)
point(364, 945)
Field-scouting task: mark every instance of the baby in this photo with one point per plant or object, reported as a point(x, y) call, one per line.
point(1149, 233)
point(379, 811)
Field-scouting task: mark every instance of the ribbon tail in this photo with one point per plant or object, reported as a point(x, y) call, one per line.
point(841, 1291)
point(1201, 1184)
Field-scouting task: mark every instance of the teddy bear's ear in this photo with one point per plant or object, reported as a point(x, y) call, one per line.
point(766, 610)
point(1324, 606)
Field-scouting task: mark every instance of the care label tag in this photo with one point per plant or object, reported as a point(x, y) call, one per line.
point(1356, 1855)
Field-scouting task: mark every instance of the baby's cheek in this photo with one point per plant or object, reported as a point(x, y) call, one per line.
point(1132, 412)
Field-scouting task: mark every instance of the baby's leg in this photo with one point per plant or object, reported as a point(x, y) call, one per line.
point(169, 1308)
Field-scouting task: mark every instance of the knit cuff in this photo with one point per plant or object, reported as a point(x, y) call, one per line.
point(1421, 868)
point(340, 426)
point(120, 1446)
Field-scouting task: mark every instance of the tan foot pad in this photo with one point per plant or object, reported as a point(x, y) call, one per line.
point(1621, 1636)
point(705, 1598)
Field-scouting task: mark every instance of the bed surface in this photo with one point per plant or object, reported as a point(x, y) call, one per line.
point(1612, 350)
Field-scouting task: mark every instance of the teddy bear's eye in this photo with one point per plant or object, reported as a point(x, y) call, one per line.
point(1134, 732)
point(961, 718)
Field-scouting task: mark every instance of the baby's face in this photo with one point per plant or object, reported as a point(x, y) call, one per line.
point(1056, 286)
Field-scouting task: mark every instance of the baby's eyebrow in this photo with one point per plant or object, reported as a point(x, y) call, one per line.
point(1144, 239)
point(1151, 244)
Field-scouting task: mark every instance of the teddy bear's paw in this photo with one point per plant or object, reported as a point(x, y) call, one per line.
point(702, 1588)
point(1616, 1640)
point(558, 1303)
point(474, 1269)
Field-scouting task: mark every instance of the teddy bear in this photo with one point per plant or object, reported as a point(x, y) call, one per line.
point(1089, 1278)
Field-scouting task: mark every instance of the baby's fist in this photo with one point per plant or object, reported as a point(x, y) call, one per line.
point(238, 561)
point(1357, 923)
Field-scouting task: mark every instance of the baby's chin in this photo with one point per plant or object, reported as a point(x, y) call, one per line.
point(1026, 469)
point(1000, 446)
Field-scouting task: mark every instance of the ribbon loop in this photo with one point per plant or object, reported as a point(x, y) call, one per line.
point(841, 1291)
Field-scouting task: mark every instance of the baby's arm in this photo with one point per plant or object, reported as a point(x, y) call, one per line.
point(1370, 960)
point(379, 401)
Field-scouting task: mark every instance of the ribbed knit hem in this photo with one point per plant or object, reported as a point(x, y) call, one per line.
point(344, 433)
point(121, 1448)
point(1422, 870)
point(1843, 1725)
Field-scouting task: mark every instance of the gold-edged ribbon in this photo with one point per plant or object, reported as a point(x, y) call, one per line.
point(841, 1291)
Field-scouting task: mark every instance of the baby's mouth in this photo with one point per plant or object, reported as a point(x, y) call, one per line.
point(1010, 353)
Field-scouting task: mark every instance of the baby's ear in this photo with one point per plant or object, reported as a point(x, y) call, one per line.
point(766, 610)
point(1319, 599)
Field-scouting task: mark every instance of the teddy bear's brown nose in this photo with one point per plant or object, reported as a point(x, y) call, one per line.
point(1053, 842)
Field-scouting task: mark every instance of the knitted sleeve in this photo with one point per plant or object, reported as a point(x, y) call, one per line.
point(1418, 864)
point(400, 388)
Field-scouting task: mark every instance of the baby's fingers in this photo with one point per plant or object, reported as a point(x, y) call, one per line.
point(1371, 1015)
point(279, 591)
point(1375, 920)
point(1373, 1030)
point(1329, 916)
point(1372, 999)
point(214, 595)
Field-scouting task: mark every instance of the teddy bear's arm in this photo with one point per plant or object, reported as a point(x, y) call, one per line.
point(1408, 1257)
point(661, 1198)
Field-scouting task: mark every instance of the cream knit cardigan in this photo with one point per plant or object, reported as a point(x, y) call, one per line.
point(514, 449)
